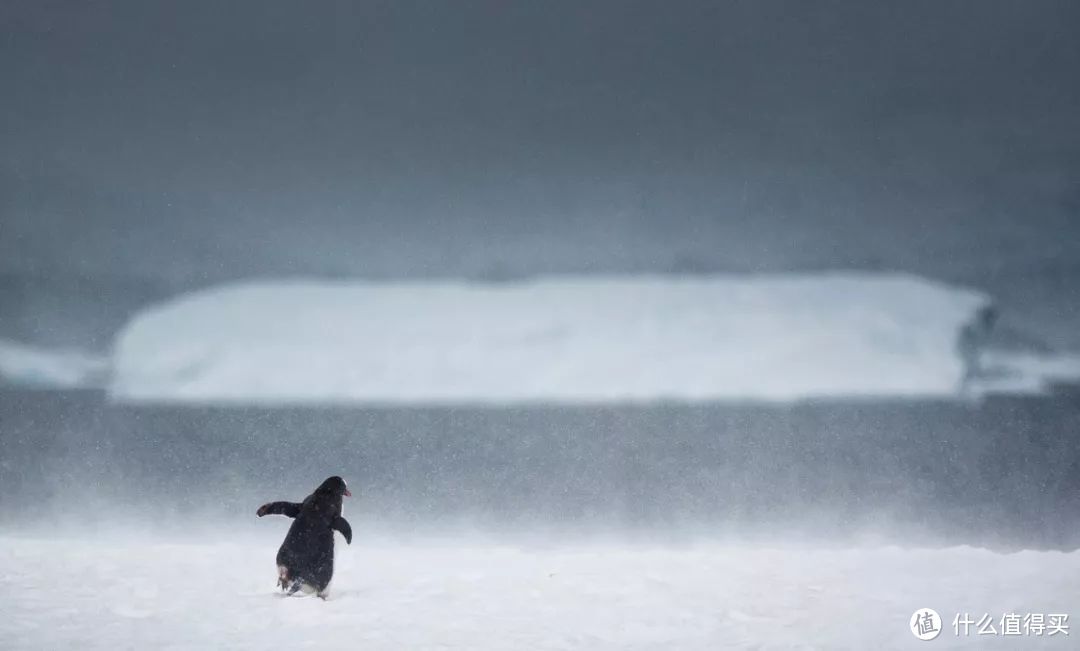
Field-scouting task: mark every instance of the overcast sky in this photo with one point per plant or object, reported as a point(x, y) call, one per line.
point(189, 142)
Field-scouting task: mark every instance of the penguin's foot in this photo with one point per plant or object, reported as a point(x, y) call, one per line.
point(300, 586)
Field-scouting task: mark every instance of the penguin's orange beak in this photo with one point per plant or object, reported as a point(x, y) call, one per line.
point(347, 493)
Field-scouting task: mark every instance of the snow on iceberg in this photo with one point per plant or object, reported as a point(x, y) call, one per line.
point(25, 365)
point(559, 339)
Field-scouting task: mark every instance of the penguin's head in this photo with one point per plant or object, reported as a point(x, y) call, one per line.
point(334, 486)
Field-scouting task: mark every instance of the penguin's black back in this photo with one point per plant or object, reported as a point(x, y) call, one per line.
point(308, 549)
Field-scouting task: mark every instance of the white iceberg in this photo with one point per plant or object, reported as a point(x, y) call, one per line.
point(25, 365)
point(555, 340)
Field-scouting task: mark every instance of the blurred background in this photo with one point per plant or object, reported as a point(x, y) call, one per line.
point(487, 194)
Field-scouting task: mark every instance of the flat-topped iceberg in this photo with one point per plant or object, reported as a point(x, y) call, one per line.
point(559, 340)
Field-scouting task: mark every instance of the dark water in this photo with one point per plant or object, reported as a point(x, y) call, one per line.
point(1002, 473)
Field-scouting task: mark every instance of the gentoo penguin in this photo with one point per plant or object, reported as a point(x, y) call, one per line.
point(306, 559)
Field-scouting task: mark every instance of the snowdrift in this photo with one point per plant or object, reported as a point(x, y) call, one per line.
point(555, 340)
point(453, 594)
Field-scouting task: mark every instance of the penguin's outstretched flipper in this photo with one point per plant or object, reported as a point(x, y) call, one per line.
point(342, 525)
point(288, 509)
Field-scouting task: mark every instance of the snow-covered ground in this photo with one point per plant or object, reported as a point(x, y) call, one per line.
point(35, 366)
point(126, 593)
point(572, 339)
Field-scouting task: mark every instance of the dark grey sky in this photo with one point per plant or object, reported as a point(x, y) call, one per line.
point(189, 142)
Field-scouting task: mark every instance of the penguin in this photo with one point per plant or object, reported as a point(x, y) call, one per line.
point(306, 558)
